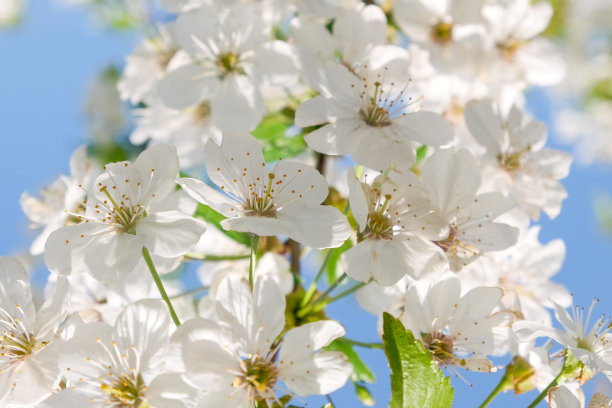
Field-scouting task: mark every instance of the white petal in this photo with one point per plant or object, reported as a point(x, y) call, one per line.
point(357, 199)
point(237, 104)
point(311, 112)
point(321, 226)
point(207, 195)
point(184, 87)
point(308, 373)
point(169, 390)
point(484, 124)
point(428, 128)
point(143, 326)
point(299, 183)
point(170, 234)
point(275, 64)
point(157, 169)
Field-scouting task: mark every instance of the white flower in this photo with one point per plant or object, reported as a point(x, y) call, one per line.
point(123, 366)
point(513, 26)
point(593, 347)
point(188, 130)
point(524, 272)
point(131, 206)
point(10, 12)
point(29, 337)
point(395, 218)
point(285, 200)
point(457, 330)
point(49, 211)
point(353, 35)
point(146, 66)
point(453, 180)
point(371, 117)
point(229, 57)
point(516, 161)
point(237, 359)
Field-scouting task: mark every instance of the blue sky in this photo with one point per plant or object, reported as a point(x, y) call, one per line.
point(50, 60)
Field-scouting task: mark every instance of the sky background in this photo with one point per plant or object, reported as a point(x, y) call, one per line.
point(47, 65)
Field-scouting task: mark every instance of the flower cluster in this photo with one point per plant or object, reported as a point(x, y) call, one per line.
point(391, 137)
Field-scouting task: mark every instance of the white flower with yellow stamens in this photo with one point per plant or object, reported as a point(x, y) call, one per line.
point(396, 222)
point(516, 161)
point(458, 330)
point(48, 212)
point(123, 366)
point(227, 55)
point(240, 359)
point(285, 200)
point(370, 116)
point(131, 206)
point(29, 338)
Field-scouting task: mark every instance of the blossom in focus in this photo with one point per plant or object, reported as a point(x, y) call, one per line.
point(123, 366)
point(285, 200)
point(131, 206)
point(29, 337)
point(457, 330)
point(453, 180)
point(370, 116)
point(396, 219)
point(591, 346)
point(239, 356)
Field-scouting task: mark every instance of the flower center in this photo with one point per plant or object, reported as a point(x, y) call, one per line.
point(229, 63)
point(261, 203)
point(379, 223)
point(202, 112)
point(124, 214)
point(511, 162)
point(441, 347)
point(259, 375)
point(442, 32)
point(126, 392)
point(16, 343)
point(508, 48)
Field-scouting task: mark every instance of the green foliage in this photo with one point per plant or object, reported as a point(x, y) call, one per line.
point(211, 216)
point(416, 380)
point(334, 259)
point(294, 305)
point(558, 23)
point(601, 90)
point(272, 131)
point(361, 372)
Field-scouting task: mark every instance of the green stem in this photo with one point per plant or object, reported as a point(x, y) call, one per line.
point(544, 392)
point(348, 292)
point(254, 243)
point(333, 286)
point(313, 286)
point(190, 292)
point(160, 286)
point(378, 346)
point(498, 388)
point(215, 258)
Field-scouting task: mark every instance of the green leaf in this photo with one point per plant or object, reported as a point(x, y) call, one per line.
point(361, 372)
point(271, 132)
point(211, 216)
point(416, 380)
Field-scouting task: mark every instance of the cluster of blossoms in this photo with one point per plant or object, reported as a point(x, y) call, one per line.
point(431, 210)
